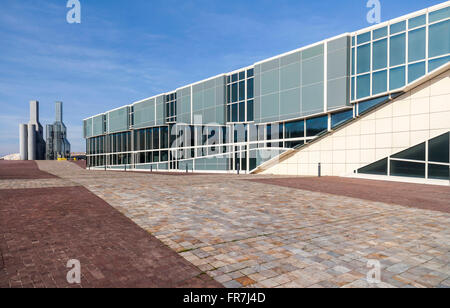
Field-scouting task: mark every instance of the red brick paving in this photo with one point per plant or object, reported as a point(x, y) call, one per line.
point(41, 229)
point(429, 197)
point(80, 163)
point(22, 170)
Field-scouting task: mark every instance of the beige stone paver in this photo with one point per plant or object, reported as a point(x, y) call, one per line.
point(247, 234)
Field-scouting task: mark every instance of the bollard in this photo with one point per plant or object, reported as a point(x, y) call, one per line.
point(125, 168)
point(320, 170)
point(151, 168)
point(187, 168)
point(238, 167)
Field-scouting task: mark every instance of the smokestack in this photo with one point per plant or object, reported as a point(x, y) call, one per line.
point(59, 111)
point(32, 148)
point(23, 132)
point(34, 112)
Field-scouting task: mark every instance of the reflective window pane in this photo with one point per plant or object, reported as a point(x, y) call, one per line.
point(439, 14)
point(241, 90)
point(242, 112)
point(380, 54)
point(436, 63)
point(363, 38)
point(316, 126)
point(397, 49)
point(416, 45)
point(250, 93)
point(439, 39)
point(414, 153)
point(294, 130)
point(377, 168)
point(397, 78)
point(341, 117)
point(363, 63)
point(379, 33)
point(417, 21)
point(250, 112)
point(363, 86)
point(415, 71)
point(398, 27)
point(379, 82)
point(438, 149)
point(438, 172)
point(407, 169)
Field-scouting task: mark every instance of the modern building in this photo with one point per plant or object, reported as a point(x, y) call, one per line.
point(32, 144)
point(372, 103)
point(56, 134)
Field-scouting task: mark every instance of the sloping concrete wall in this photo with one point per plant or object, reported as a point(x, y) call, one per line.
point(420, 114)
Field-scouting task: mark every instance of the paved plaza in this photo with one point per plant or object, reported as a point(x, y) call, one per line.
point(245, 233)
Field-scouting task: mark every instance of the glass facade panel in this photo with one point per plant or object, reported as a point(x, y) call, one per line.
point(377, 168)
point(295, 130)
point(379, 82)
point(341, 117)
point(438, 172)
point(439, 39)
point(438, 149)
point(316, 126)
point(368, 105)
point(363, 38)
point(250, 112)
point(380, 54)
point(363, 86)
point(250, 89)
point(414, 153)
point(380, 33)
point(407, 169)
point(397, 49)
point(417, 44)
point(440, 14)
point(436, 63)
point(415, 71)
point(398, 27)
point(363, 63)
point(417, 21)
point(397, 78)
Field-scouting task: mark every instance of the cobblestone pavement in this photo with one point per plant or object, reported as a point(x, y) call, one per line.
point(248, 234)
point(52, 221)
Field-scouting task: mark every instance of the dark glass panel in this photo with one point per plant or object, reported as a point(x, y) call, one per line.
point(415, 153)
point(242, 112)
point(250, 73)
point(156, 157)
point(242, 75)
point(250, 116)
point(341, 117)
point(234, 113)
point(316, 126)
point(250, 93)
point(164, 156)
point(438, 149)
point(407, 169)
point(377, 168)
point(164, 137)
point(368, 105)
point(242, 90)
point(234, 93)
point(293, 144)
point(294, 130)
point(156, 138)
point(234, 78)
point(438, 172)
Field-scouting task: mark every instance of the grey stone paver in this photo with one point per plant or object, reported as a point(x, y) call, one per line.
point(259, 235)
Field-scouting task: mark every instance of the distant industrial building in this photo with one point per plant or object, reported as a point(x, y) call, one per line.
point(32, 143)
point(56, 134)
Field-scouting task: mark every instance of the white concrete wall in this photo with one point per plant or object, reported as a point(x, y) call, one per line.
point(418, 115)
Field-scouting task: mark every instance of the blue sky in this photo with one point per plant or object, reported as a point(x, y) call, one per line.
point(124, 51)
